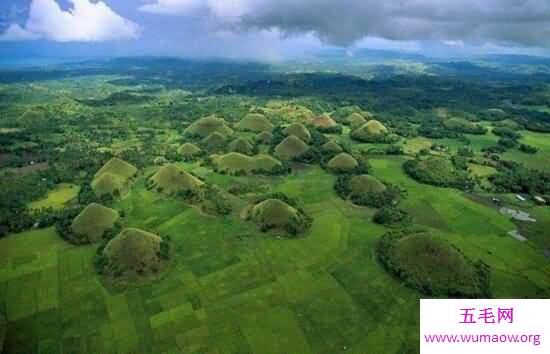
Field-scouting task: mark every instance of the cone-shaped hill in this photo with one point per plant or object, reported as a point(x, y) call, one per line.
point(276, 214)
point(332, 148)
point(356, 121)
point(372, 131)
point(93, 221)
point(118, 167)
point(290, 148)
point(214, 142)
point(113, 176)
point(264, 138)
point(342, 163)
point(188, 151)
point(208, 125)
point(365, 184)
point(254, 122)
point(171, 179)
point(432, 265)
point(323, 122)
point(133, 252)
point(236, 162)
point(298, 130)
point(242, 146)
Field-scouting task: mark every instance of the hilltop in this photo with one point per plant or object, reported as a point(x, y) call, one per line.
point(93, 221)
point(432, 265)
point(113, 177)
point(208, 125)
point(275, 214)
point(254, 122)
point(238, 163)
point(133, 252)
point(298, 130)
point(170, 179)
point(290, 148)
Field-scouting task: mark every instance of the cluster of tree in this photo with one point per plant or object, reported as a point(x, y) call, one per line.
point(391, 216)
point(528, 149)
point(436, 130)
point(337, 129)
point(532, 119)
point(457, 179)
point(505, 132)
point(387, 198)
point(514, 177)
point(213, 200)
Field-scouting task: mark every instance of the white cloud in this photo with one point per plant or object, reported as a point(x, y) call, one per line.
point(173, 7)
point(344, 22)
point(220, 9)
point(17, 33)
point(85, 21)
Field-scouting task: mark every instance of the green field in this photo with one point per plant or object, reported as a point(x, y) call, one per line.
point(234, 278)
point(57, 198)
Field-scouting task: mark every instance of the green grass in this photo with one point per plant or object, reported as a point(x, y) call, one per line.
point(540, 160)
point(57, 198)
point(318, 293)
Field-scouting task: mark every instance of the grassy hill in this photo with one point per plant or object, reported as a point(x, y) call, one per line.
point(208, 125)
point(214, 142)
point(133, 252)
point(432, 265)
point(365, 184)
point(290, 148)
point(276, 214)
point(298, 130)
point(331, 147)
point(171, 179)
point(93, 221)
point(189, 151)
point(355, 121)
point(323, 121)
point(254, 122)
point(264, 138)
point(107, 183)
point(112, 177)
point(342, 163)
point(242, 146)
point(235, 162)
point(118, 167)
point(372, 131)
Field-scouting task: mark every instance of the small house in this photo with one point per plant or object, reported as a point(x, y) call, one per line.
point(520, 198)
point(540, 200)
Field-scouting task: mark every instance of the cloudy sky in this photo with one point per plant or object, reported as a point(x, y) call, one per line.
point(271, 29)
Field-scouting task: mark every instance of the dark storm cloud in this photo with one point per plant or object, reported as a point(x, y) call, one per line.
point(341, 22)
